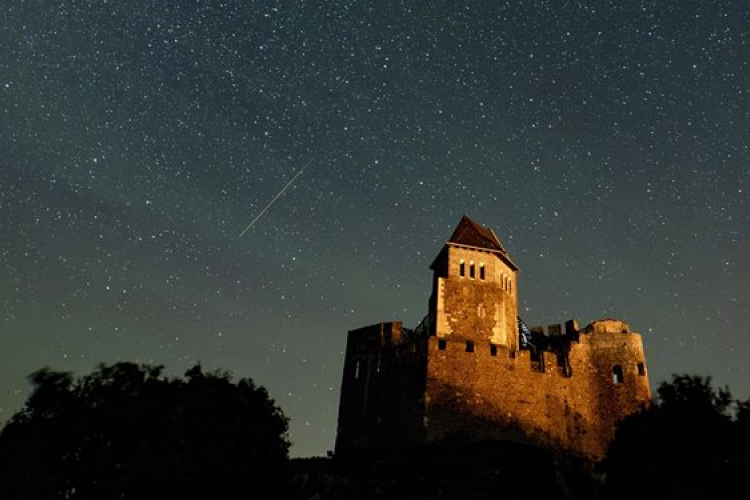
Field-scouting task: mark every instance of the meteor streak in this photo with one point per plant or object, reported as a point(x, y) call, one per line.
point(274, 199)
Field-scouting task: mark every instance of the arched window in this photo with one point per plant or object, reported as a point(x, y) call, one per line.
point(471, 270)
point(617, 376)
point(462, 268)
point(481, 272)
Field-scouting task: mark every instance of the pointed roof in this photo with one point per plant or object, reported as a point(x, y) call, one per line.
point(470, 233)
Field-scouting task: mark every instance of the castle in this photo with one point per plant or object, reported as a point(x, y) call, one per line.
point(472, 371)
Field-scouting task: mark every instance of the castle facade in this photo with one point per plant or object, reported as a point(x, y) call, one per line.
point(473, 371)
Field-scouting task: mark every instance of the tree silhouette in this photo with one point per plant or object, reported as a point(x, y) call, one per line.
point(126, 431)
point(684, 446)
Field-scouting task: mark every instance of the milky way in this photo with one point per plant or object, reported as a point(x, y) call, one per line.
point(606, 142)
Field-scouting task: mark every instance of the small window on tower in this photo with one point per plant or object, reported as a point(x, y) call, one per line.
point(356, 370)
point(471, 270)
point(641, 369)
point(469, 346)
point(493, 350)
point(462, 268)
point(617, 376)
point(442, 344)
point(481, 272)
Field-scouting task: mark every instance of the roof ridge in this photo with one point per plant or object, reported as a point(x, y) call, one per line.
point(472, 234)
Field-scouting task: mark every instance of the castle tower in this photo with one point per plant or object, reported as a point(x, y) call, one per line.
point(474, 289)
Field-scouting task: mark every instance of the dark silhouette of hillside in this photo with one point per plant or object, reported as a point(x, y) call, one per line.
point(126, 431)
point(477, 470)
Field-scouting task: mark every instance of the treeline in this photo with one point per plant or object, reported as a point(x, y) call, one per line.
point(127, 431)
point(693, 442)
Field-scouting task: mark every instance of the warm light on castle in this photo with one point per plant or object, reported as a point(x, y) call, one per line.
point(473, 371)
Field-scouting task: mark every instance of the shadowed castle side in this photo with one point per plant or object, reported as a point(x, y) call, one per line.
point(472, 370)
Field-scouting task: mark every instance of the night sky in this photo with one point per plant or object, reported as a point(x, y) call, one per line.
point(606, 143)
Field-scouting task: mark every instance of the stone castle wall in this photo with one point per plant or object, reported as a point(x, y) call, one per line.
point(499, 394)
point(383, 387)
point(398, 390)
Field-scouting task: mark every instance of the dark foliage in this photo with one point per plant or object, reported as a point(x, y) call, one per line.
point(692, 443)
point(125, 431)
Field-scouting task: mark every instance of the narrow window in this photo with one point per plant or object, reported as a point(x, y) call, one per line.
point(442, 344)
point(462, 269)
point(641, 369)
point(469, 346)
point(356, 370)
point(481, 272)
point(377, 367)
point(493, 350)
point(471, 270)
point(510, 287)
point(617, 376)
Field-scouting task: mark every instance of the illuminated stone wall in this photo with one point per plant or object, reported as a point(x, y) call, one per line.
point(478, 395)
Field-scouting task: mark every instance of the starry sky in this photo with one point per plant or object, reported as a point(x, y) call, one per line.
point(606, 142)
